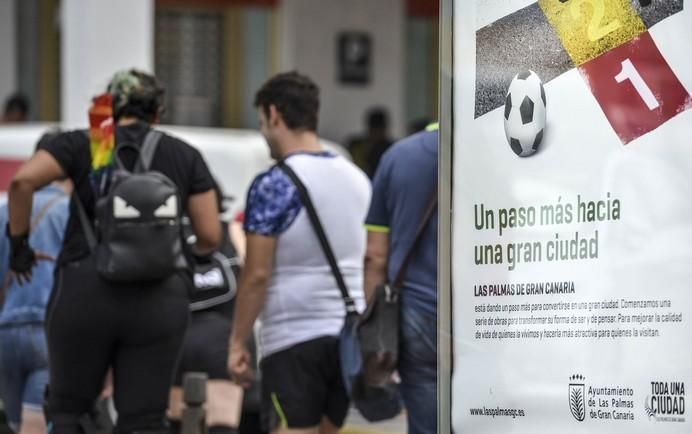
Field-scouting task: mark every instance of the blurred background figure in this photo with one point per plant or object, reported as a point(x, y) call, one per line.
point(367, 149)
point(402, 235)
point(16, 109)
point(205, 348)
point(23, 348)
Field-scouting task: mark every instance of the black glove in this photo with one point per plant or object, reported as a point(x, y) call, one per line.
point(22, 256)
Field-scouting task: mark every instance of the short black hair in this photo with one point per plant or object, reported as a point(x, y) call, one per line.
point(138, 94)
point(17, 103)
point(295, 96)
point(377, 118)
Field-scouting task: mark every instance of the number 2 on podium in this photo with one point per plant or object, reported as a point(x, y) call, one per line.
point(629, 72)
point(595, 30)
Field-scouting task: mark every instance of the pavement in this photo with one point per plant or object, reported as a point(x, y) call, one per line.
point(355, 424)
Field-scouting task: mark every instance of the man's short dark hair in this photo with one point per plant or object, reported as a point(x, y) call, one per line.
point(295, 96)
point(377, 118)
point(17, 103)
point(137, 94)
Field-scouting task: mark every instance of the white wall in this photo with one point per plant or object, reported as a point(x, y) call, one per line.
point(100, 37)
point(8, 50)
point(309, 31)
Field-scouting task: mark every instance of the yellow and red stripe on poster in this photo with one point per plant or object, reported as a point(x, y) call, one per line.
point(589, 28)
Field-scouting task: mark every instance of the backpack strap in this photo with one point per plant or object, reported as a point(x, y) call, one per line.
point(351, 308)
point(147, 151)
point(427, 214)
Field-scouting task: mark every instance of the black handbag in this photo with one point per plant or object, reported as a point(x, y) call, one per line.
point(378, 328)
point(215, 275)
point(374, 404)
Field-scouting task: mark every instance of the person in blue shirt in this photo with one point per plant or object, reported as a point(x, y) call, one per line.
point(23, 348)
point(404, 184)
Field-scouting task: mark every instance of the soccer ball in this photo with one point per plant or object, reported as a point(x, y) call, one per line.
point(525, 113)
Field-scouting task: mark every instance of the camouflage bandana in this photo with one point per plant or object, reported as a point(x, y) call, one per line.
point(122, 86)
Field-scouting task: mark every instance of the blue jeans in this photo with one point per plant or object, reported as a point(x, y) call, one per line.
point(23, 369)
point(418, 369)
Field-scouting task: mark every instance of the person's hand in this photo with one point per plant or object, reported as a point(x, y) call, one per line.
point(23, 277)
point(23, 258)
point(240, 365)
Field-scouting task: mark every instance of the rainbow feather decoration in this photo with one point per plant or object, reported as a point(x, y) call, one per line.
point(102, 142)
point(101, 132)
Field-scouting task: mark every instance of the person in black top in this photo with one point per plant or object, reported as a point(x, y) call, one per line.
point(205, 347)
point(94, 324)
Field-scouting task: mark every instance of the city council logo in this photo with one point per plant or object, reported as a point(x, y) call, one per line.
point(577, 391)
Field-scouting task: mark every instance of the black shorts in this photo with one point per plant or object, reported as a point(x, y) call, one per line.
point(205, 348)
point(302, 384)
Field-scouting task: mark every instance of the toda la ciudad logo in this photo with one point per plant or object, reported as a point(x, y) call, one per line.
point(577, 390)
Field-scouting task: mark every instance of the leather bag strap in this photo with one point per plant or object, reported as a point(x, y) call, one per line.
point(427, 214)
point(324, 241)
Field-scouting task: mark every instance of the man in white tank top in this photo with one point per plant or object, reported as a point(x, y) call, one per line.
point(287, 280)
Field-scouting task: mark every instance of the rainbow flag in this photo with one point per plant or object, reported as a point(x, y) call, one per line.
point(101, 132)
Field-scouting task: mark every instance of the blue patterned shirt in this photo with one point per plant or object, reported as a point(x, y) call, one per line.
point(272, 204)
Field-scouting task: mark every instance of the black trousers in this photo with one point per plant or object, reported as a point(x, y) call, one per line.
point(93, 325)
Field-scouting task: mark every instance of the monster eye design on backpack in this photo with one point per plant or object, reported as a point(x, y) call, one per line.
point(169, 209)
point(123, 210)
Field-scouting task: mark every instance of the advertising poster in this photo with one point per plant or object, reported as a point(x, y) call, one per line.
point(572, 226)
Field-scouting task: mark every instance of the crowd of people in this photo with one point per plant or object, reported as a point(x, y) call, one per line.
point(80, 319)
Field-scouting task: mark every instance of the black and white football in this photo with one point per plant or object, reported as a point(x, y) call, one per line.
point(525, 113)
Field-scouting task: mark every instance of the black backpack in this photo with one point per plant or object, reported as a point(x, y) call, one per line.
point(138, 221)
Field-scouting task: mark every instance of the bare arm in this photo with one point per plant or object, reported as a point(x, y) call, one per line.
point(252, 293)
point(252, 290)
point(203, 210)
point(235, 231)
point(39, 171)
point(376, 260)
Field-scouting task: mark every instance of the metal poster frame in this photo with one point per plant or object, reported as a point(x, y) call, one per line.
point(445, 182)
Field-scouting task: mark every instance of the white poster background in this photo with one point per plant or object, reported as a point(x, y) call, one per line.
point(645, 255)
